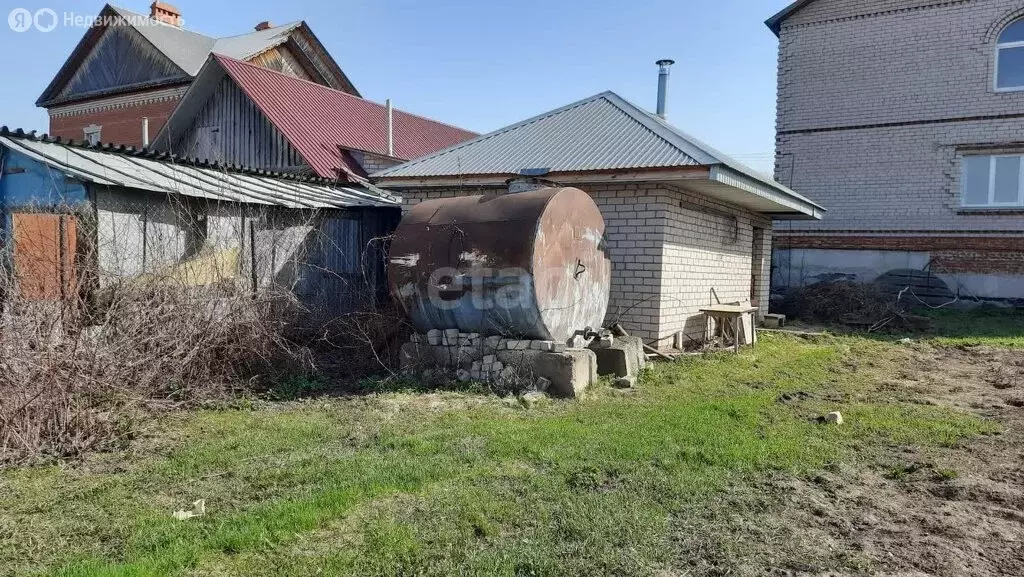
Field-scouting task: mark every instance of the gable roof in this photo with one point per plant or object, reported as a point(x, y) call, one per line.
point(321, 123)
point(775, 22)
point(186, 49)
point(602, 133)
point(145, 169)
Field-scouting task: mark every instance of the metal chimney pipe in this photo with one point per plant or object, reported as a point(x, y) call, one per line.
point(145, 131)
point(391, 128)
point(663, 72)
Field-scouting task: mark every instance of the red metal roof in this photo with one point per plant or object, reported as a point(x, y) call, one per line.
point(318, 120)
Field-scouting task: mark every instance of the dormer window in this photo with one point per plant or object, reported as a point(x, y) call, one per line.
point(92, 133)
point(1010, 57)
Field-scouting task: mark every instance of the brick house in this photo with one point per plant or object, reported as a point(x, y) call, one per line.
point(129, 67)
point(907, 120)
point(238, 113)
point(686, 226)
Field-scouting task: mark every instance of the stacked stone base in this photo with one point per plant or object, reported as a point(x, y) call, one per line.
point(516, 364)
point(519, 365)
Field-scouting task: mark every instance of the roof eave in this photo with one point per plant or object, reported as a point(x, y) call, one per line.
point(775, 22)
point(791, 202)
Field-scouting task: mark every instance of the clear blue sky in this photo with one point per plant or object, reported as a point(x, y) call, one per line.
point(483, 64)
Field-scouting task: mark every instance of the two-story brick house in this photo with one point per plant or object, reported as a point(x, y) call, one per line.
point(906, 119)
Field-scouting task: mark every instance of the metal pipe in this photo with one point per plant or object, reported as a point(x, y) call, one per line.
point(391, 128)
point(663, 72)
point(145, 131)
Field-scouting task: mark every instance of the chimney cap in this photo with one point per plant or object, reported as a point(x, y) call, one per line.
point(665, 62)
point(265, 25)
point(166, 13)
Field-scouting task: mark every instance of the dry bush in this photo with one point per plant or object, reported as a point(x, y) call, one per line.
point(87, 350)
point(863, 305)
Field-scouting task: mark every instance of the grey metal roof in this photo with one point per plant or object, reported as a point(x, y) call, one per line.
point(202, 181)
point(600, 132)
point(189, 50)
point(603, 132)
point(247, 45)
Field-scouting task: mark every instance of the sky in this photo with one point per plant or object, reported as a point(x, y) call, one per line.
point(485, 64)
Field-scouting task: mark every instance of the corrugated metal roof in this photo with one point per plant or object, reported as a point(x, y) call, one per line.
point(598, 133)
point(142, 171)
point(603, 132)
point(317, 120)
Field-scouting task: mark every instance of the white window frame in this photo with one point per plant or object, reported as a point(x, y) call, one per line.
point(90, 131)
point(999, 48)
point(992, 182)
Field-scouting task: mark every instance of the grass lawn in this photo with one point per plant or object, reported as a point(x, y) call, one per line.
point(414, 483)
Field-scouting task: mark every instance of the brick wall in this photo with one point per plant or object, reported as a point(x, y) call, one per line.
point(120, 117)
point(877, 103)
point(372, 163)
point(855, 62)
point(669, 249)
point(897, 178)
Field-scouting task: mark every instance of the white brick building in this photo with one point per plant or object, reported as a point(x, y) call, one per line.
point(686, 226)
point(898, 116)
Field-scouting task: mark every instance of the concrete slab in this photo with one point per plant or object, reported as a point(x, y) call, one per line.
point(623, 358)
point(569, 372)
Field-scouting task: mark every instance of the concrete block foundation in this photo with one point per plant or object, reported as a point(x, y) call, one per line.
point(518, 364)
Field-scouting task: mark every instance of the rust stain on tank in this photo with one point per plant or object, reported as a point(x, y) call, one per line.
point(530, 264)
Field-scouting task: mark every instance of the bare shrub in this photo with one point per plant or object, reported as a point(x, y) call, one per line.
point(92, 336)
point(863, 305)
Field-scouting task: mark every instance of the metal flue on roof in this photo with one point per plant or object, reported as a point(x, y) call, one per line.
point(201, 181)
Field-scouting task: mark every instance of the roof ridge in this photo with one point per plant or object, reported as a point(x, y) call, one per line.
point(335, 90)
point(497, 132)
point(292, 25)
point(658, 126)
point(156, 22)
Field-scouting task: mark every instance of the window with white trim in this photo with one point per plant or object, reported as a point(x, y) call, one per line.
point(992, 181)
point(92, 133)
point(1010, 57)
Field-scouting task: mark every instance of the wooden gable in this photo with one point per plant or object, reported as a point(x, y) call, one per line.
point(121, 59)
point(282, 59)
point(230, 129)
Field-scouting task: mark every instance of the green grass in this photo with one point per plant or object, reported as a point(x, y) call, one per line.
point(407, 483)
point(985, 325)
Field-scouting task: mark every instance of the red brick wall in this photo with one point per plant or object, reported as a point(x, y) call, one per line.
point(952, 254)
point(121, 125)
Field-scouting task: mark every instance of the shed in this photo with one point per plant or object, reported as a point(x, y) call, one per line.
point(133, 212)
point(686, 226)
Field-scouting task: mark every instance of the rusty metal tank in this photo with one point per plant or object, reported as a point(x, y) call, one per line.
point(526, 264)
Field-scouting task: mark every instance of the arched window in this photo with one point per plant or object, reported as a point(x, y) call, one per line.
point(1010, 57)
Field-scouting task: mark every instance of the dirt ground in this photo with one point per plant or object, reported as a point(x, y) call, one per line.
point(953, 512)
